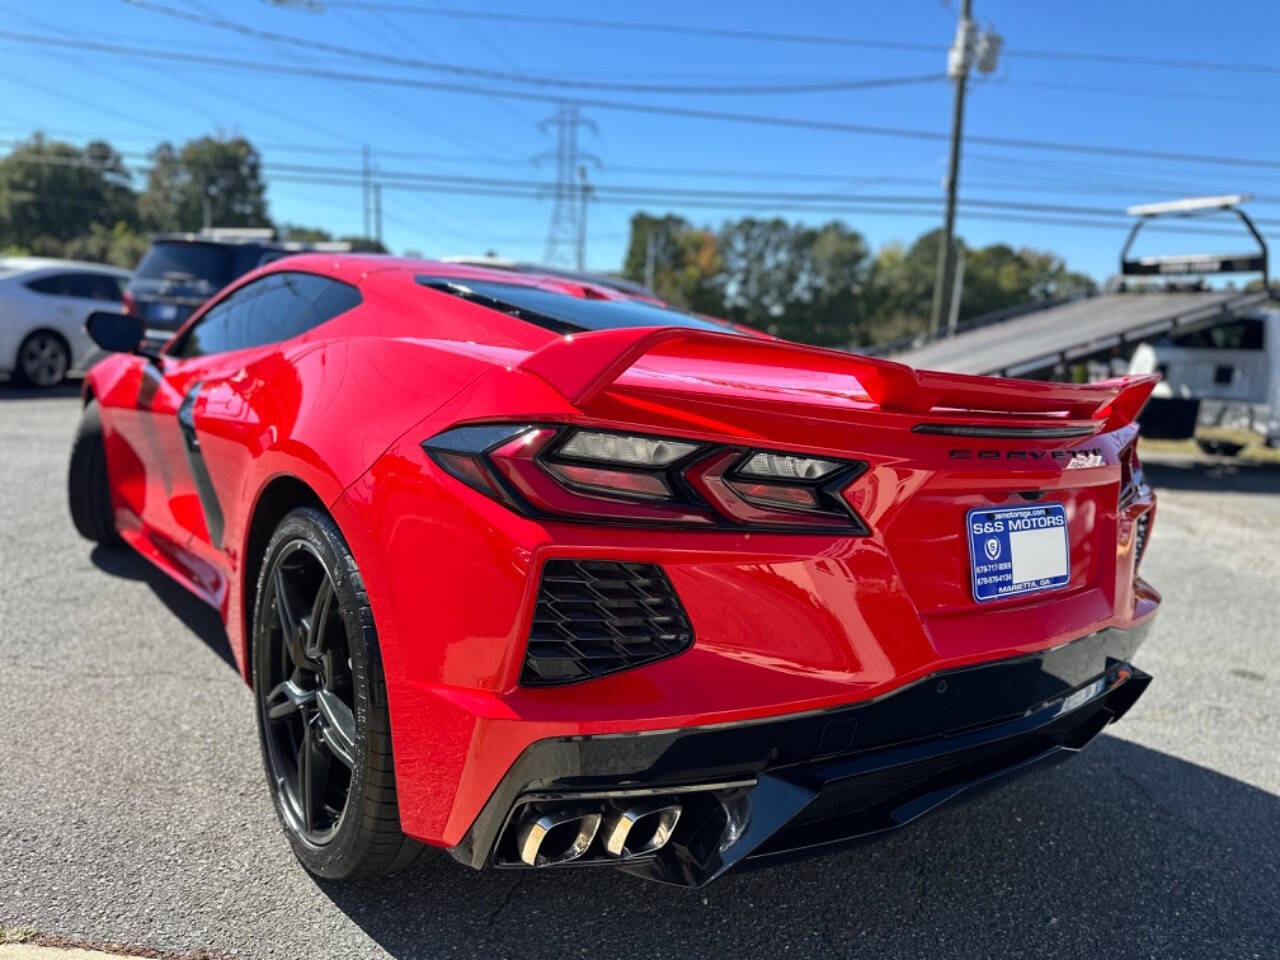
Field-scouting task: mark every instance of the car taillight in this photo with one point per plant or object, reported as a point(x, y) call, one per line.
point(129, 304)
point(1133, 487)
point(611, 476)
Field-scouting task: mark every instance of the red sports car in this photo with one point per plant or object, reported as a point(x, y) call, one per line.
point(541, 573)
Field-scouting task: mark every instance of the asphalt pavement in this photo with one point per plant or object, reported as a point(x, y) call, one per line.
point(133, 808)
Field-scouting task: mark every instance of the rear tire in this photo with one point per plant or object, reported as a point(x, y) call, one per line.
point(88, 487)
point(43, 360)
point(322, 705)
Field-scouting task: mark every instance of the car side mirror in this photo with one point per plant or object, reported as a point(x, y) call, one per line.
point(118, 333)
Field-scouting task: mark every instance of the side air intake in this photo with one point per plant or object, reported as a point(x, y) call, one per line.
point(596, 617)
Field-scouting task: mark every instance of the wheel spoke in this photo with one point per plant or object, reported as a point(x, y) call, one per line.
point(287, 698)
point(337, 726)
point(287, 607)
point(313, 776)
point(317, 619)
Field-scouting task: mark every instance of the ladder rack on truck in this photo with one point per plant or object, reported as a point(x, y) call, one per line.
point(1046, 342)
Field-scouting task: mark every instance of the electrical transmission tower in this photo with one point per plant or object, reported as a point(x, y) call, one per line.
point(566, 237)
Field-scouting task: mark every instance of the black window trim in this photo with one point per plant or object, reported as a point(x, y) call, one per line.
point(175, 346)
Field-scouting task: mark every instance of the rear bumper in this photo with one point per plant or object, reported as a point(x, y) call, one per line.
point(764, 790)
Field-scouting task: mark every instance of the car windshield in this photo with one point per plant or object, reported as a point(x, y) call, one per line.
point(205, 265)
point(563, 312)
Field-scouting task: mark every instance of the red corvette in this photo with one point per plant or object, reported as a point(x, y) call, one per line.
point(544, 573)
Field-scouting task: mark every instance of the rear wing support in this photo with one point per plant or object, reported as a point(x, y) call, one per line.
point(1194, 263)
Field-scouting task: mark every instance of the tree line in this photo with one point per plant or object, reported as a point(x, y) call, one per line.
point(823, 284)
point(816, 284)
point(60, 200)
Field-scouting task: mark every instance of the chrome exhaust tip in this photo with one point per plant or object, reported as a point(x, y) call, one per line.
point(641, 828)
point(556, 836)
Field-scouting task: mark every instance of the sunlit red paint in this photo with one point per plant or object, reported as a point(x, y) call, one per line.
point(783, 621)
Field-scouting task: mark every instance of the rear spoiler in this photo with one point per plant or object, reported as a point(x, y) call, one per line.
point(582, 366)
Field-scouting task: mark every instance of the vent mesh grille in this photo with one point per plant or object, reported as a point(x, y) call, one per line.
point(596, 617)
point(1141, 527)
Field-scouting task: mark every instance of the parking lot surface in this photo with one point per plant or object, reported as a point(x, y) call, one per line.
point(133, 808)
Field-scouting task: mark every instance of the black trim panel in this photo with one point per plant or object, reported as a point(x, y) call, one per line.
point(209, 504)
point(1014, 705)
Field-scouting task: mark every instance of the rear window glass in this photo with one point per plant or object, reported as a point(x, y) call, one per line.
point(195, 264)
point(564, 313)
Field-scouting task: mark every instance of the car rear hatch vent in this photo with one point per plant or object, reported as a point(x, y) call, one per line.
point(596, 617)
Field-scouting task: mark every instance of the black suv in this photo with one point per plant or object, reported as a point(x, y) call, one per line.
point(180, 271)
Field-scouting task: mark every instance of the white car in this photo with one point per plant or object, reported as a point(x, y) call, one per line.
point(43, 306)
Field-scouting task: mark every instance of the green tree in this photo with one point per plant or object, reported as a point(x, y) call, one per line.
point(52, 192)
point(364, 244)
point(120, 245)
point(210, 180)
point(301, 234)
point(688, 270)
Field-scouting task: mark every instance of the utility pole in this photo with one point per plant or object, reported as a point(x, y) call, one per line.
point(584, 196)
point(650, 256)
point(368, 193)
point(567, 230)
point(967, 47)
point(957, 285)
point(377, 211)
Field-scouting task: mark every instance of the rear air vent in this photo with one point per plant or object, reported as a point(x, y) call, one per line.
point(1142, 527)
point(596, 617)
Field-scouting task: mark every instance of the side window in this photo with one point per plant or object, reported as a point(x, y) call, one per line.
point(53, 284)
point(86, 286)
point(276, 307)
point(211, 333)
point(92, 286)
point(1243, 334)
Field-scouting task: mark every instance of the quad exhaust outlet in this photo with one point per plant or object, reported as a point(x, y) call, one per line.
point(637, 830)
point(547, 836)
point(557, 835)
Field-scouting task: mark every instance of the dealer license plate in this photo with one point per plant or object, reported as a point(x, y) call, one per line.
point(1014, 551)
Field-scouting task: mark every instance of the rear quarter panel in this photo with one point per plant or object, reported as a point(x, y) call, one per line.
point(321, 412)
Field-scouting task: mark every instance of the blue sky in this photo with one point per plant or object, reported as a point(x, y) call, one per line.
point(134, 103)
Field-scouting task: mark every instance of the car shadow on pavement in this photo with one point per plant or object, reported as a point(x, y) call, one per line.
point(198, 616)
point(1125, 851)
point(12, 390)
point(1214, 476)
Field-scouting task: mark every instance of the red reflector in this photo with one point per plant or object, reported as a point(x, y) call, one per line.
point(470, 471)
point(623, 482)
point(774, 493)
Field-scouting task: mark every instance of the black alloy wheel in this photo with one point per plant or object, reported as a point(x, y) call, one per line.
point(308, 710)
point(322, 709)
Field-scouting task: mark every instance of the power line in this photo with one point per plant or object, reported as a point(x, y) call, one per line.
point(932, 136)
point(528, 79)
point(1122, 90)
point(633, 194)
point(391, 176)
point(1078, 179)
point(771, 36)
point(631, 26)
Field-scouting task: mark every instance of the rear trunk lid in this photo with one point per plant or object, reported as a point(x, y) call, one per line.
point(986, 494)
